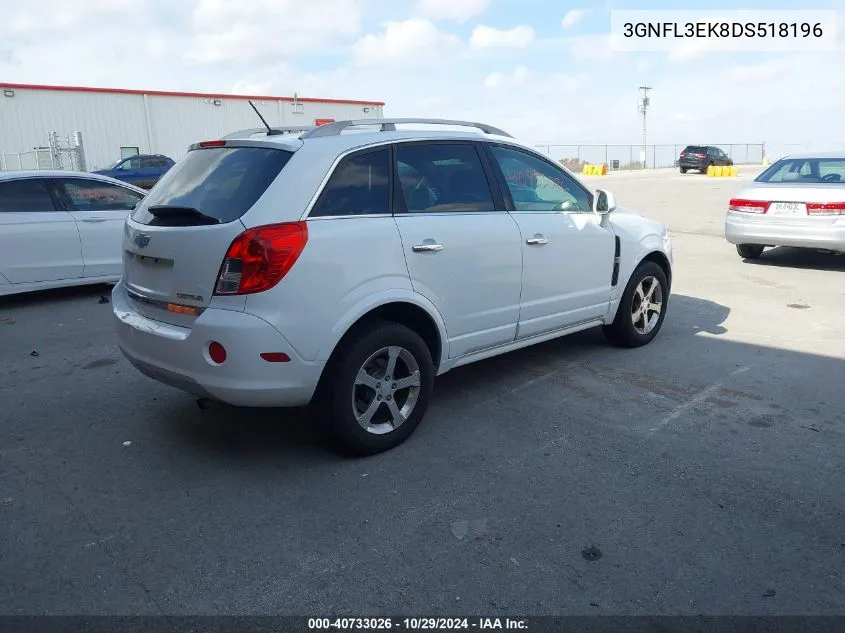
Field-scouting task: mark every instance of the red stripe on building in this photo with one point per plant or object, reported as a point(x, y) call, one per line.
point(201, 95)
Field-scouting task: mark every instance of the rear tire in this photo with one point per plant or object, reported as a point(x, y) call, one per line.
point(749, 251)
point(353, 393)
point(637, 323)
point(683, 170)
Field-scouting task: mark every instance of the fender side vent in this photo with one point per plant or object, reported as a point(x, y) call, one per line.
point(615, 279)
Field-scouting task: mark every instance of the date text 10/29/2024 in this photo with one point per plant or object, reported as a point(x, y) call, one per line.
point(417, 624)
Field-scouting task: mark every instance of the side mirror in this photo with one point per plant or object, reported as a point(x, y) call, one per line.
point(604, 202)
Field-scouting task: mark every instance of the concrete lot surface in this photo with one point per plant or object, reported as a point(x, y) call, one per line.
point(701, 474)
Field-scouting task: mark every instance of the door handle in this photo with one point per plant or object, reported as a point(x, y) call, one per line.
point(92, 220)
point(427, 248)
point(537, 241)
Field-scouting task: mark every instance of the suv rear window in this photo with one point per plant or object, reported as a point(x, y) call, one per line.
point(220, 182)
point(695, 149)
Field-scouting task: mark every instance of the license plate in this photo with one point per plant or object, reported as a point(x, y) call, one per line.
point(788, 208)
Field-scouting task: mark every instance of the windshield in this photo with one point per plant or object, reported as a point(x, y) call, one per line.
point(221, 183)
point(805, 170)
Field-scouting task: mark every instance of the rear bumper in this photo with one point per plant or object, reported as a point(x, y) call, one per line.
point(178, 356)
point(747, 228)
point(684, 164)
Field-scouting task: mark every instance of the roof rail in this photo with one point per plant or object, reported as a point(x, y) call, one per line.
point(389, 125)
point(274, 131)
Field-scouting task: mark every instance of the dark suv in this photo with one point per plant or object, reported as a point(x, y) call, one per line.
point(700, 157)
point(142, 171)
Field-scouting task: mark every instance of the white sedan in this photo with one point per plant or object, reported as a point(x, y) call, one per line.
point(61, 228)
point(799, 201)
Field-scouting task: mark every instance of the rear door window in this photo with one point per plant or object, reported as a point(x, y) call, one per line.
point(221, 182)
point(26, 195)
point(360, 185)
point(443, 177)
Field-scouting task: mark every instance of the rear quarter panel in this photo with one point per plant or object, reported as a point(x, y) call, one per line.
point(348, 267)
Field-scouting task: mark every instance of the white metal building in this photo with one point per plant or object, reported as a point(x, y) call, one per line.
point(115, 123)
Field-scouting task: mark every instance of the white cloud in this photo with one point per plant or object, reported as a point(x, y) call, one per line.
point(44, 16)
point(759, 73)
point(590, 47)
point(264, 29)
point(411, 41)
point(498, 80)
point(455, 10)
point(257, 48)
point(573, 17)
point(488, 37)
point(561, 84)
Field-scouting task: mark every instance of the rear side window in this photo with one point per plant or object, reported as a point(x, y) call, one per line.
point(222, 182)
point(443, 177)
point(360, 185)
point(24, 196)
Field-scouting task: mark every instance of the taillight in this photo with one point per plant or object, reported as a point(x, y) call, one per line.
point(826, 208)
point(683, 154)
point(701, 155)
point(748, 206)
point(260, 257)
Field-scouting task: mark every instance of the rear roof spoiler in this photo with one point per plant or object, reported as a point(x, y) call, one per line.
point(274, 131)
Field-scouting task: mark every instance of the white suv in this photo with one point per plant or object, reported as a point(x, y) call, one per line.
point(349, 265)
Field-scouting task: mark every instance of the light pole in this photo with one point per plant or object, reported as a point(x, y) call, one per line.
point(643, 107)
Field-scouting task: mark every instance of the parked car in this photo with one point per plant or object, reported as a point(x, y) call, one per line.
point(345, 271)
point(798, 201)
point(701, 157)
point(142, 171)
point(61, 228)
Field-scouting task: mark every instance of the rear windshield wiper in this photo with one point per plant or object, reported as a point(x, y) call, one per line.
point(185, 216)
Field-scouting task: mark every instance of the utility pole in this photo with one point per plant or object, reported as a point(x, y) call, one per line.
point(643, 108)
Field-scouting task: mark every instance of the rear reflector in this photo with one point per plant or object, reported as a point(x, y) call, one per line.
point(217, 352)
point(260, 257)
point(275, 357)
point(213, 144)
point(748, 206)
point(177, 309)
point(826, 208)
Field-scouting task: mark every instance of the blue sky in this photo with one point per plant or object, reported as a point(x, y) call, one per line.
point(518, 64)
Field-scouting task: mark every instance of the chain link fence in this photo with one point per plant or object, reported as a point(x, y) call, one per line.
point(61, 152)
point(631, 157)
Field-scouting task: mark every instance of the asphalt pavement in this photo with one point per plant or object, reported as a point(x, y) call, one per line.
point(702, 474)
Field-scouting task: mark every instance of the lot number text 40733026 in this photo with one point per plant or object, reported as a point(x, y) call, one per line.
point(418, 624)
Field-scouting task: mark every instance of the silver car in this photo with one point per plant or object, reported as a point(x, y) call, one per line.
point(798, 201)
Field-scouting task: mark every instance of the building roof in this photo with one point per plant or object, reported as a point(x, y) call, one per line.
point(201, 95)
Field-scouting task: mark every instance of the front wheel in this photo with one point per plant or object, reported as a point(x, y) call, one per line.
point(749, 251)
point(376, 389)
point(642, 308)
